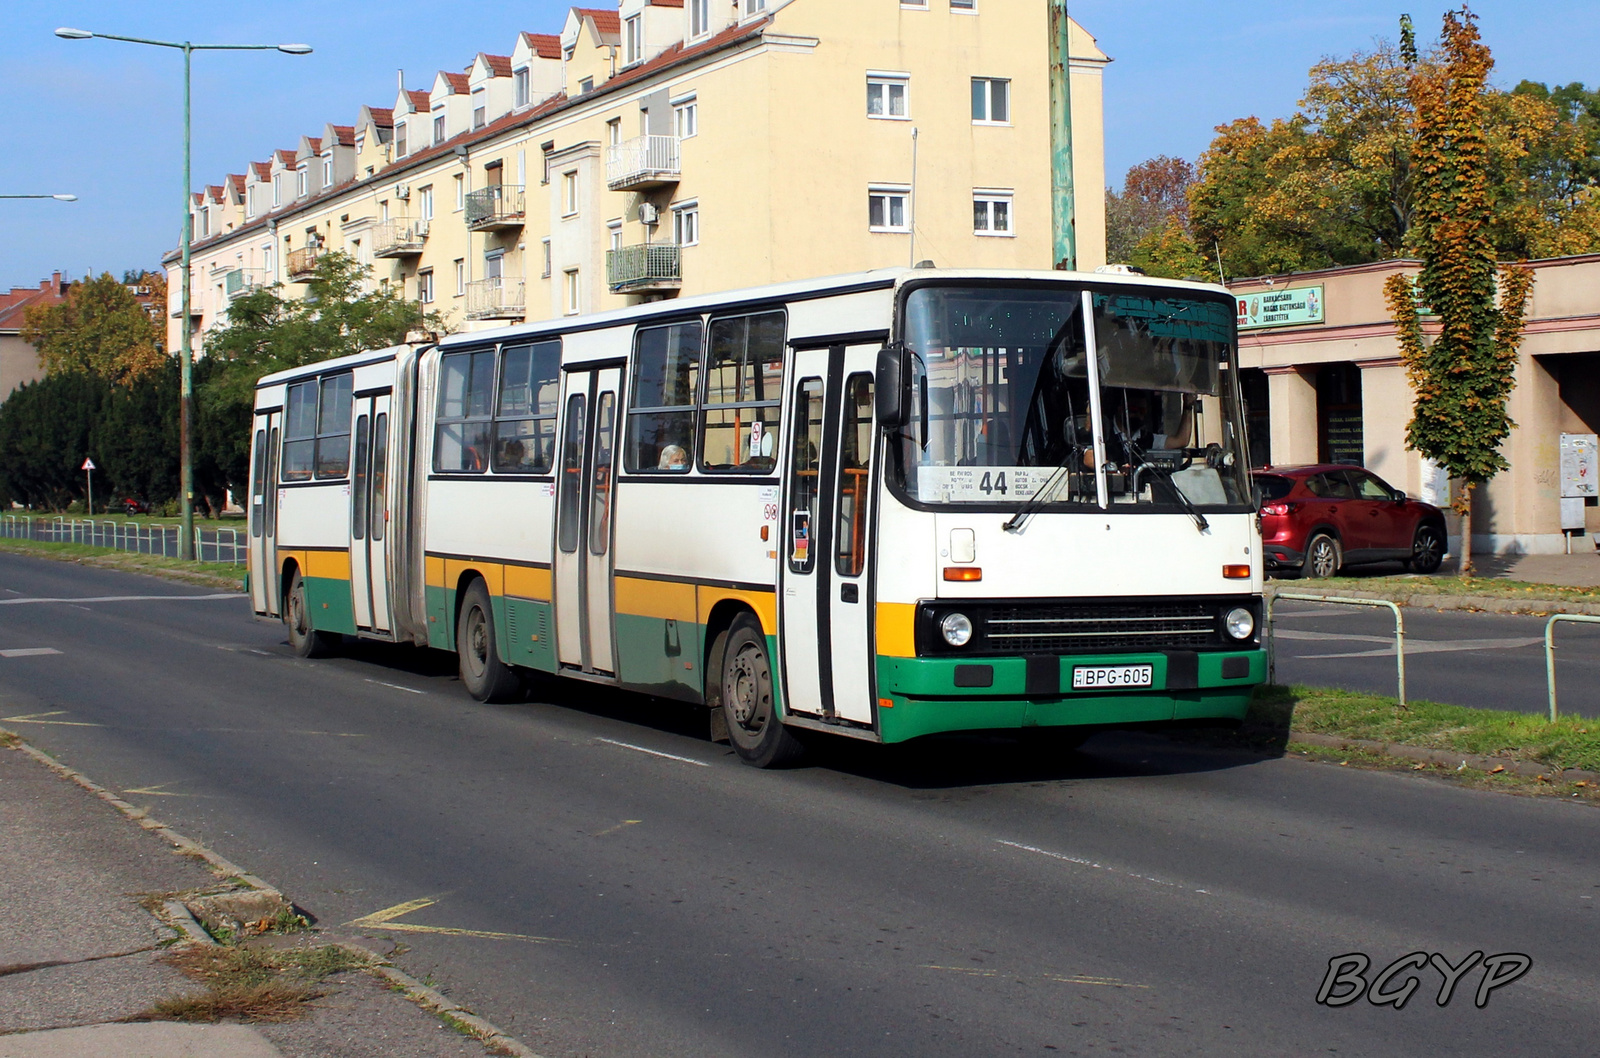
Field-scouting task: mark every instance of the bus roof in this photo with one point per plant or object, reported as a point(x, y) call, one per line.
point(371, 356)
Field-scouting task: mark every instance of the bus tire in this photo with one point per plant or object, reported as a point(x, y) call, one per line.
point(304, 640)
point(748, 703)
point(487, 678)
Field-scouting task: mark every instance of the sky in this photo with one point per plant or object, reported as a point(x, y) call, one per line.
point(103, 120)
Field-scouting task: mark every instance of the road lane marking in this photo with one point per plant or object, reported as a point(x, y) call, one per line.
point(1066, 979)
point(38, 718)
point(1428, 646)
point(396, 686)
point(619, 826)
point(385, 920)
point(654, 752)
point(28, 652)
point(126, 598)
point(157, 791)
point(1097, 866)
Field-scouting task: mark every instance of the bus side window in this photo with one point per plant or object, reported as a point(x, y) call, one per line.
point(571, 468)
point(600, 496)
point(333, 427)
point(744, 374)
point(300, 432)
point(661, 398)
point(806, 463)
point(466, 393)
point(272, 483)
point(258, 484)
point(525, 416)
point(855, 459)
point(358, 487)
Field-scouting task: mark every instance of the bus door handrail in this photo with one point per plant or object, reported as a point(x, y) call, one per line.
point(1399, 632)
point(1550, 651)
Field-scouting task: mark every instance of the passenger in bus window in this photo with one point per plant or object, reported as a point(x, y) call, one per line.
point(673, 457)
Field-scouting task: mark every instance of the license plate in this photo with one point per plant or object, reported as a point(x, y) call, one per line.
point(1090, 676)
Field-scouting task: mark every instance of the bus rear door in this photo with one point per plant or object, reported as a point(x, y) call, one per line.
point(826, 535)
point(369, 513)
point(264, 587)
point(583, 561)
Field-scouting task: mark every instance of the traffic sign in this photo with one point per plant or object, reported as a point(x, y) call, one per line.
point(88, 464)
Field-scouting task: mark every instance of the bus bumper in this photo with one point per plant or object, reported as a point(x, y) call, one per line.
point(921, 696)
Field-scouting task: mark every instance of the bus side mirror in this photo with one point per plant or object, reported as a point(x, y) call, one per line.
point(889, 388)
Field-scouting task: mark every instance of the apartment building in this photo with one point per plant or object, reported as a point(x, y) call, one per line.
point(19, 360)
point(669, 147)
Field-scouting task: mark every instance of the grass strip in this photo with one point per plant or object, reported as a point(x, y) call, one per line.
point(251, 984)
point(210, 574)
point(1477, 587)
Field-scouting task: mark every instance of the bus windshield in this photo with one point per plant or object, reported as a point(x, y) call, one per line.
point(1006, 416)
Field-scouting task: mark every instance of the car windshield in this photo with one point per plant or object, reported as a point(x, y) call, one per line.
point(1009, 396)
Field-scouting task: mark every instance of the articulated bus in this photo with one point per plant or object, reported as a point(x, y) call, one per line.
point(880, 506)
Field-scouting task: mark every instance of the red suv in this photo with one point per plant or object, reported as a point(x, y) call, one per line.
point(1317, 519)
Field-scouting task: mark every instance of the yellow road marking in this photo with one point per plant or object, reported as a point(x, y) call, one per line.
point(619, 826)
point(1072, 979)
point(385, 919)
point(35, 718)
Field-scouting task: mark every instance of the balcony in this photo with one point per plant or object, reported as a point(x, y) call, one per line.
point(302, 263)
point(645, 268)
point(496, 299)
point(497, 207)
point(241, 281)
point(401, 237)
point(643, 162)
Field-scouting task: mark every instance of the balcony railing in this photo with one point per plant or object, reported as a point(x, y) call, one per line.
point(650, 266)
point(494, 208)
point(242, 281)
point(646, 161)
point(496, 299)
point(400, 237)
point(303, 262)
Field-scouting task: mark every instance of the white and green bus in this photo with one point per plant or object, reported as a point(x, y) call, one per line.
point(880, 505)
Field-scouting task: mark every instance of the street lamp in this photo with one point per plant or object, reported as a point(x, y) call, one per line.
point(186, 362)
point(58, 198)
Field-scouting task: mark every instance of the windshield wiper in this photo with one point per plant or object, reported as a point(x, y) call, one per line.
point(1044, 492)
point(1165, 472)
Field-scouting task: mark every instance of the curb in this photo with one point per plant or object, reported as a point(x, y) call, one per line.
point(184, 922)
point(1483, 603)
point(1445, 758)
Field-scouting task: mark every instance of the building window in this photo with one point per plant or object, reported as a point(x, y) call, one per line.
point(888, 96)
point(520, 79)
point(399, 139)
point(661, 394)
point(250, 201)
point(425, 202)
point(569, 194)
point(753, 6)
point(277, 190)
point(461, 192)
point(574, 293)
point(991, 101)
point(699, 17)
point(614, 132)
point(991, 213)
point(685, 117)
point(614, 234)
point(964, 5)
point(586, 86)
point(302, 182)
point(686, 224)
point(920, 5)
point(480, 111)
point(438, 129)
point(633, 33)
point(316, 432)
point(546, 273)
point(425, 286)
point(461, 276)
point(327, 171)
point(887, 208)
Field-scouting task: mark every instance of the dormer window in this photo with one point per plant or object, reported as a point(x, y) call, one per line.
point(250, 201)
point(633, 36)
point(302, 182)
point(480, 109)
point(438, 128)
point(699, 17)
point(277, 190)
point(586, 85)
point(399, 139)
point(520, 79)
point(327, 169)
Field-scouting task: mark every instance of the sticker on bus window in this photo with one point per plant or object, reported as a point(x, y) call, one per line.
point(802, 536)
point(755, 439)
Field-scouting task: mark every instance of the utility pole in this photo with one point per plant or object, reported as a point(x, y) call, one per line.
point(1062, 209)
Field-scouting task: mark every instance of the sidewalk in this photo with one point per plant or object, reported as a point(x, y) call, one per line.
point(83, 953)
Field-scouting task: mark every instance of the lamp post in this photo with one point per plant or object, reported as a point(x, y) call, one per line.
point(186, 360)
point(58, 198)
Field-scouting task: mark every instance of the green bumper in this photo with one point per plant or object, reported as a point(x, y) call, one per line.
point(927, 700)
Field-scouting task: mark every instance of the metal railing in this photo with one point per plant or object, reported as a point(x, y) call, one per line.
point(1399, 633)
point(229, 546)
point(495, 206)
point(242, 281)
point(303, 262)
point(496, 299)
point(643, 161)
point(1550, 651)
point(645, 266)
point(398, 237)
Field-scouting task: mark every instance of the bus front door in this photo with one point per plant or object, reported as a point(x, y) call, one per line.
point(584, 494)
point(369, 513)
point(264, 587)
point(825, 522)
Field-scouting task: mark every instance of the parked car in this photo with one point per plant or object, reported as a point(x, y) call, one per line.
point(132, 505)
point(1315, 520)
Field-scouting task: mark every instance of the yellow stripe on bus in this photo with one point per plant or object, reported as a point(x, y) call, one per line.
point(325, 565)
point(764, 603)
point(664, 599)
point(897, 629)
point(433, 572)
point(493, 573)
point(526, 583)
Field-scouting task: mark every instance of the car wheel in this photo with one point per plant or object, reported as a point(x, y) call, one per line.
point(1322, 557)
point(487, 678)
point(748, 705)
point(304, 640)
point(1427, 549)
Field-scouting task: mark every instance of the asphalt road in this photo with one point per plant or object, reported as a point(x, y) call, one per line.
point(1491, 661)
point(592, 875)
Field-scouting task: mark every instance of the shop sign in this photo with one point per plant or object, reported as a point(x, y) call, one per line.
point(1280, 308)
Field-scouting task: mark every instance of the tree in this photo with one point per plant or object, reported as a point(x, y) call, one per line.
point(100, 329)
point(1463, 377)
point(1153, 192)
point(268, 332)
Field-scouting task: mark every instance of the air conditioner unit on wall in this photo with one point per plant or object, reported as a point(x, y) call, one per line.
point(402, 191)
point(422, 229)
point(648, 214)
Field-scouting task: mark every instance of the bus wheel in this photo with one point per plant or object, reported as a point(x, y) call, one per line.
point(305, 641)
point(488, 679)
point(758, 736)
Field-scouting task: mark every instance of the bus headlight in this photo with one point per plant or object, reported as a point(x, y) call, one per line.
point(1240, 623)
point(956, 629)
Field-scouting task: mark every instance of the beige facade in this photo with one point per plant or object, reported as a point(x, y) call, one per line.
point(677, 146)
point(1335, 391)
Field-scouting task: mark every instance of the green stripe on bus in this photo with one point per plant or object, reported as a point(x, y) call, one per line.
point(659, 656)
point(329, 601)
